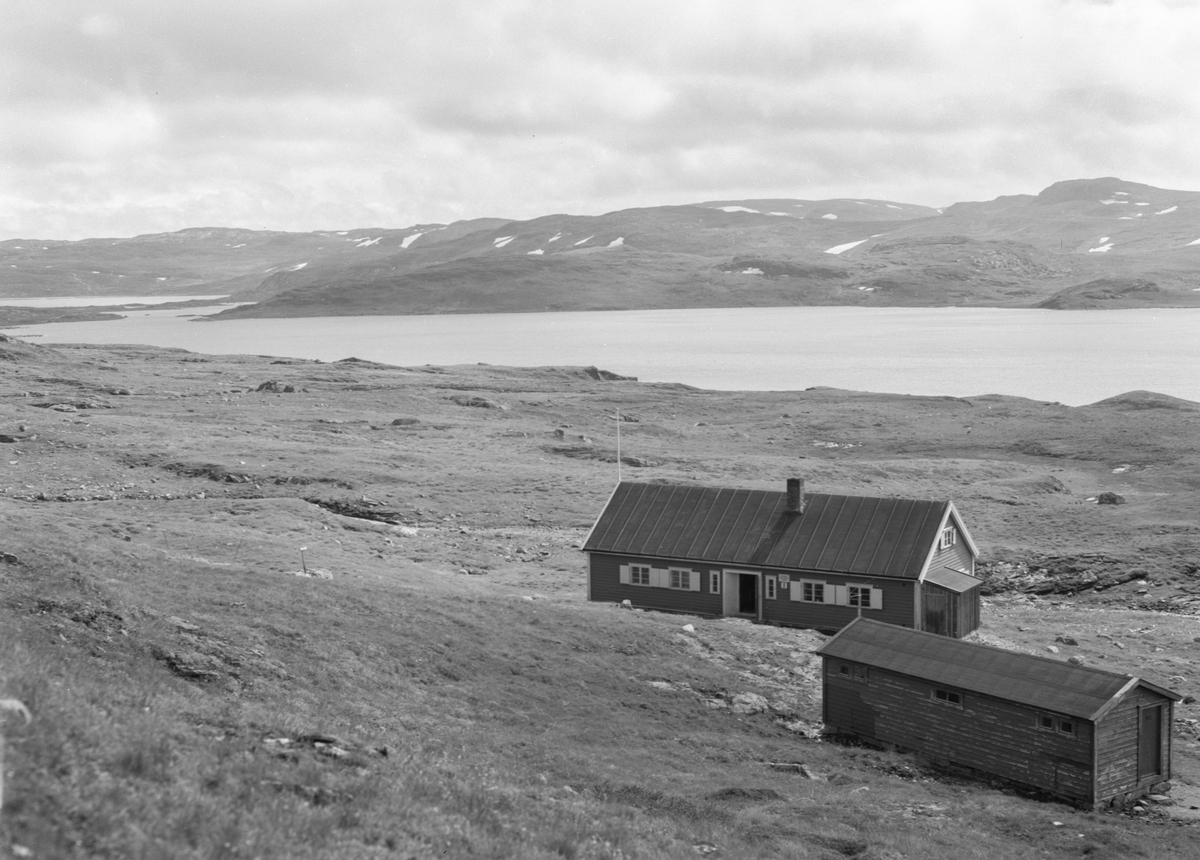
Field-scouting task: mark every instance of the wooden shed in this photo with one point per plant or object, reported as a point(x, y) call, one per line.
point(784, 557)
point(1089, 736)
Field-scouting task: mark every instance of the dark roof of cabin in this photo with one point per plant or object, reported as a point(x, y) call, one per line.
point(1040, 682)
point(839, 534)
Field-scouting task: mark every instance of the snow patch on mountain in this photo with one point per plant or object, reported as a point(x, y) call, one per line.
point(502, 241)
point(588, 239)
point(555, 237)
point(536, 253)
point(1165, 211)
point(1102, 249)
point(366, 243)
point(837, 249)
point(738, 209)
point(829, 216)
point(617, 242)
point(1196, 242)
point(408, 240)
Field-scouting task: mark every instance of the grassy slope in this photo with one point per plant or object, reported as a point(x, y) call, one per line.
point(177, 668)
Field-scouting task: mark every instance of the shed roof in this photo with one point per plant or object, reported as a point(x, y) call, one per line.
point(839, 534)
point(1040, 682)
point(954, 580)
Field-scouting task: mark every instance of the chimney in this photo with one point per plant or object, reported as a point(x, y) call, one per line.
point(795, 495)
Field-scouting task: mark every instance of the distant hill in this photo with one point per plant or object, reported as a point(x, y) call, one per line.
point(1088, 243)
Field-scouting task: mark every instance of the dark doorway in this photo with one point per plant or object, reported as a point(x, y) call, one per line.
point(747, 594)
point(1150, 742)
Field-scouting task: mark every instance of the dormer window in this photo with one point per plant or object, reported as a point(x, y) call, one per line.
point(949, 537)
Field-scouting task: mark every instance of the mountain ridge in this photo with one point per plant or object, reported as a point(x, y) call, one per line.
point(1077, 244)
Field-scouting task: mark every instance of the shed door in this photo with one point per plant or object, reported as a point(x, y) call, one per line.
point(1150, 742)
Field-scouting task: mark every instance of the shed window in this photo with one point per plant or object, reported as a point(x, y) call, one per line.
point(811, 592)
point(949, 697)
point(714, 582)
point(1054, 724)
point(857, 673)
point(770, 581)
point(949, 537)
point(639, 574)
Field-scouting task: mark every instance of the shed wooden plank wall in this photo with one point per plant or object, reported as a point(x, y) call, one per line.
point(987, 734)
point(604, 572)
point(1118, 734)
point(948, 613)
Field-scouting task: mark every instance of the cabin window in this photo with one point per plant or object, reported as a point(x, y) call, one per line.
point(1066, 727)
point(949, 537)
point(714, 582)
point(859, 596)
point(639, 574)
point(813, 592)
point(770, 581)
point(1046, 723)
point(681, 579)
point(948, 697)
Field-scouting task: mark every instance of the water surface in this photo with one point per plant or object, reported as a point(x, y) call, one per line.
point(1074, 357)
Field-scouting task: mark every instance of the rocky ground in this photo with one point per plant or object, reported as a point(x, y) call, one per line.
point(479, 480)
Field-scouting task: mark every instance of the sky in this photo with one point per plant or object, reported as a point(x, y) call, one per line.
point(122, 117)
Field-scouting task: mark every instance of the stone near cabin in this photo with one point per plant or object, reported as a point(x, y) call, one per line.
point(405, 422)
point(4, 437)
point(477, 401)
point(1075, 660)
point(1065, 640)
point(1108, 498)
point(749, 703)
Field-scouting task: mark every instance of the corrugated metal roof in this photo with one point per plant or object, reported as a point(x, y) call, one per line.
point(1078, 691)
point(955, 580)
point(837, 534)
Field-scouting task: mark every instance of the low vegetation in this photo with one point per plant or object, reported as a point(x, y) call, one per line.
point(428, 680)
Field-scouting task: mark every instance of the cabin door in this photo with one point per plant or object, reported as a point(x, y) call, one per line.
point(747, 594)
point(1150, 742)
point(741, 593)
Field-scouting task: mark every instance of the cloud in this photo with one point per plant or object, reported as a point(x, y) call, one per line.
point(144, 116)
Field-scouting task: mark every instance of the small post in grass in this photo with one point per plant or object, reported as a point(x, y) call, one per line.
point(16, 707)
point(302, 564)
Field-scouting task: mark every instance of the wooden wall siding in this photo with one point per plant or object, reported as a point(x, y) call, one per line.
point(987, 734)
point(605, 579)
point(897, 603)
point(948, 613)
point(1117, 735)
point(957, 557)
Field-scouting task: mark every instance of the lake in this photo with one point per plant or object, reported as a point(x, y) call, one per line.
point(1073, 357)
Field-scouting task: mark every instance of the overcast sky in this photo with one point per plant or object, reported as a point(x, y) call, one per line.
point(120, 118)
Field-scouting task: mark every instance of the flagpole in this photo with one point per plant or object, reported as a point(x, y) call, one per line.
point(618, 445)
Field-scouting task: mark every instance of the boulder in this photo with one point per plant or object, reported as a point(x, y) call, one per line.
point(749, 703)
point(1107, 498)
point(405, 422)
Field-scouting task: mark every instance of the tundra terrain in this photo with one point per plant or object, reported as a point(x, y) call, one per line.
point(278, 608)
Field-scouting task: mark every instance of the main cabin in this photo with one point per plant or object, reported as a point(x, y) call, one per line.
point(786, 558)
point(1089, 736)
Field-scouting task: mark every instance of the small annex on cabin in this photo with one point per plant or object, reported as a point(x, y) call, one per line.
point(784, 557)
point(1086, 735)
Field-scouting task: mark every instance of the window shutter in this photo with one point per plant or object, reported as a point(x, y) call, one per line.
point(693, 581)
point(877, 598)
point(830, 593)
point(625, 580)
point(660, 578)
point(714, 583)
point(797, 591)
point(840, 595)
